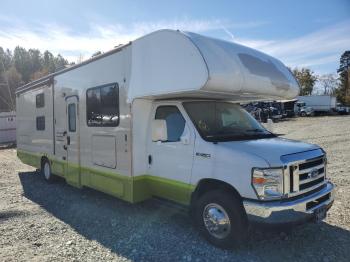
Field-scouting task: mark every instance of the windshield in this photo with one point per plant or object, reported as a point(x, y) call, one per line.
point(224, 121)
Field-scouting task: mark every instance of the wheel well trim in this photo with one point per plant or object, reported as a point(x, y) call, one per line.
point(43, 159)
point(217, 184)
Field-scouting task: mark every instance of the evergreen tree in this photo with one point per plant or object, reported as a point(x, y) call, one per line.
point(5, 60)
point(343, 92)
point(49, 62)
point(35, 60)
point(22, 62)
point(22, 67)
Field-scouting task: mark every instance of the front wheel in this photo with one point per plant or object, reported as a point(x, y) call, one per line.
point(221, 219)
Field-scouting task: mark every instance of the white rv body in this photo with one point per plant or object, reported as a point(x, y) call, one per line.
point(113, 149)
point(168, 64)
point(7, 128)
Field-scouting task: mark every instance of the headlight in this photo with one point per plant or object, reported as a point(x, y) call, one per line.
point(268, 183)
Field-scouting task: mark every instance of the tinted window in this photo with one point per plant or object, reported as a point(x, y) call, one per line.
point(174, 121)
point(102, 105)
point(71, 118)
point(39, 100)
point(40, 123)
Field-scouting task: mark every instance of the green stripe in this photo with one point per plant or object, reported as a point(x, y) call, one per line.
point(166, 188)
point(131, 189)
point(30, 159)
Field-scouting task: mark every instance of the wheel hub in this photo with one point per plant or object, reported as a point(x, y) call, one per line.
point(47, 171)
point(216, 220)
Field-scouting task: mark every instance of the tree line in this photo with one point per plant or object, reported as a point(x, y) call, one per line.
point(22, 66)
point(330, 84)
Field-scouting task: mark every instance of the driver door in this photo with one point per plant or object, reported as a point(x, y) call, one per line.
point(170, 162)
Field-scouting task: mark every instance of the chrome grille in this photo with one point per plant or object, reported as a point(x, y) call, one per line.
point(303, 176)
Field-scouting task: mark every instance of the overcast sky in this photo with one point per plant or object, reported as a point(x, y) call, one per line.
point(300, 33)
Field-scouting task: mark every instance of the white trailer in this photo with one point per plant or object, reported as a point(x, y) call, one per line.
point(155, 118)
point(320, 103)
point(7, 128)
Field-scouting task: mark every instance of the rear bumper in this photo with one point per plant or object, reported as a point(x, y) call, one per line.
point(294, 211)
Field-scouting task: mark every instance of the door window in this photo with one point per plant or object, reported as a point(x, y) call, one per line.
point(174, 121)
point(72, 125)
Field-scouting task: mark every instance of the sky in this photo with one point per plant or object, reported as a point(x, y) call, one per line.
point(300, 33)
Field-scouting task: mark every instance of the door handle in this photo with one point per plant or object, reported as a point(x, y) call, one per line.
point(149, 159)
point(68, 140)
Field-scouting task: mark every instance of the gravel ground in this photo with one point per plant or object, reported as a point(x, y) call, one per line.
point(46, 222)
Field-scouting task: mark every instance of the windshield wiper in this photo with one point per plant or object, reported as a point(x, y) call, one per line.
point(224, 135)
point(254, 130)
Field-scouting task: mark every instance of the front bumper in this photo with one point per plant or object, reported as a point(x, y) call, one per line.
point(293, 211)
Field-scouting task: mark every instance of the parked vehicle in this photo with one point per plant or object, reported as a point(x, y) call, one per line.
point(342, 110)
point(276, 110)
point(287, 107)
point(320, 103)
point(7, 128)
point(262, 111)
point(159, 117)
point(302, 110)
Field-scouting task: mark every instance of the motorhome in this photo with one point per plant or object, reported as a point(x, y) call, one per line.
point(7, 128)
point(160, 117)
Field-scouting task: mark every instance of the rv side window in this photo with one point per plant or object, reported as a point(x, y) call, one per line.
point(102, 105)
point(174, 121)
point(40, 123)
point(40, 100)
point(72, 118)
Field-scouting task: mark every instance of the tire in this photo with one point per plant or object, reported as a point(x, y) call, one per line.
point(46, 171)
point(224, 206)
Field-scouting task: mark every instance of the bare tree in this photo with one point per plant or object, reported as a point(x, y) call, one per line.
point(80, 59)
point(329, 83)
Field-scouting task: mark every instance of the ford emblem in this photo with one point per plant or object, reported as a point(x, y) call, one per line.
point(313, 173)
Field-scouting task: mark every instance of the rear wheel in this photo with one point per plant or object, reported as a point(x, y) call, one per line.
point(221, 219)
point(46, 171)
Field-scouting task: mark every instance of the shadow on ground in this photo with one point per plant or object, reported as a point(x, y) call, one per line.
point(7, 146)
point(8, 214)
point(150, 231)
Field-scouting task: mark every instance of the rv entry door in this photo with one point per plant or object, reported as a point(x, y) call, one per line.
point(72, 141)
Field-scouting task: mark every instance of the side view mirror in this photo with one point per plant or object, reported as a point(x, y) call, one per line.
point(185, 138)
point(159, 130)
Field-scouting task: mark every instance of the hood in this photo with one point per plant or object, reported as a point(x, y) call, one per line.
point(269, 149)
